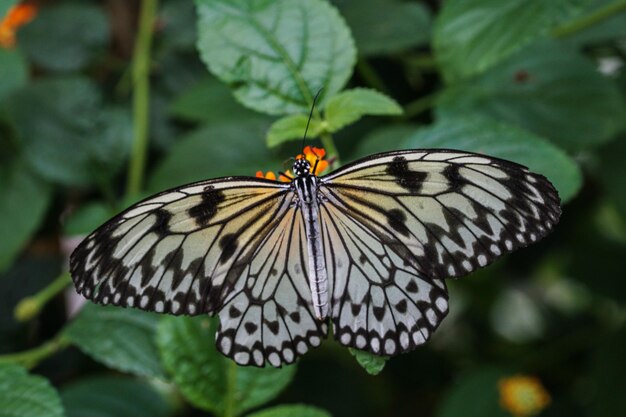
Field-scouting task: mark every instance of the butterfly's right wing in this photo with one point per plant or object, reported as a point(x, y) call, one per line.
point(214, 246)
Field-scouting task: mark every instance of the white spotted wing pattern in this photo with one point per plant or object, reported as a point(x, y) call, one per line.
point(392, 227)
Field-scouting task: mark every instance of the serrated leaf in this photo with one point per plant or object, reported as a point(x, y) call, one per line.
point(202, 154)
point(13, 70)
point(504, 141)
point(205, 377)
point(208, 101)
point(120, 338)
point(22, 394)
point(65, 37)
point(292, 128)
point(276, 55)
point(349, 106)
point(386, 26)
point(113, 397)
point(292, 410)
point(24, 199)
point(472, 35)
point(474, 395)
point(67, 135)
point(548, 90)
point(373, 364)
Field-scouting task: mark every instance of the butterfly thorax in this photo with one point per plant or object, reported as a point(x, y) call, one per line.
point(306, 186)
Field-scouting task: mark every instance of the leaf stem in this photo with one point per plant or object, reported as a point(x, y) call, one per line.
point(29, 307)
point(30, 358)
point(591, 19)
point(231, 381)
point(141, 96)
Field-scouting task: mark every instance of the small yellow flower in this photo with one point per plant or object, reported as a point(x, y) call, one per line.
point(17, 16)
point(311, 154)
point(522, 395)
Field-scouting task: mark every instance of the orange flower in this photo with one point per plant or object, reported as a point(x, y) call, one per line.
point(271, 176)
point(312, 155)
point(523, 396)
point(17, 16)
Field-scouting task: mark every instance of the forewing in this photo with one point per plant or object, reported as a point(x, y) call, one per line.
point(173, 252)
point(268, 317)
point(380, 302)
point(453, 211)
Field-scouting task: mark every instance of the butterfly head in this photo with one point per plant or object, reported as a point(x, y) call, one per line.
point(301, 167)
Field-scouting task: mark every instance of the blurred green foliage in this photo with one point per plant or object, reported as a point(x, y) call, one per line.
point(224, 87)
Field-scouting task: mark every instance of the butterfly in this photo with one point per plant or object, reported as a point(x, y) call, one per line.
point(366, 248)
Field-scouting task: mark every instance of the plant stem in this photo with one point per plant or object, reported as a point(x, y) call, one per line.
point(231, 381)
point(141, 96)
point(30, 358)
point(591, 19)
point(29, 307)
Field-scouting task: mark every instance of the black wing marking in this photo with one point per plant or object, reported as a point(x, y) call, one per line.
point(172, 252)
point(454, 211)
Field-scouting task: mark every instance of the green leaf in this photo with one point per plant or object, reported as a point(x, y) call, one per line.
point(472, 35)
point(383, 27)
point(87, 218)
point(373, 364)
point(66, 133)
point(22, 394)
point(24, 200)
point(120, 338)
point(292, 410)
point(13, 71)
point(292, 128)
point(349, 106)
point(504, 141)
point(612, 28)
point(208, 379)
point(208, 101)
point(551, 91)
point(113, 397)
point(474, 395)
point(66, 37)
point(276, 54)
point(202, 154)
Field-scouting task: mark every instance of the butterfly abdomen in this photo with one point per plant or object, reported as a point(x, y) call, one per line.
point(306, 187)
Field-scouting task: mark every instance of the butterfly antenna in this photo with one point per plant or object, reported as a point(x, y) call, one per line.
point(306, 129)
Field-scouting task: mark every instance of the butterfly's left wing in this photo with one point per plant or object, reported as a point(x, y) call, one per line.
point(400, 222)
point(232, 246)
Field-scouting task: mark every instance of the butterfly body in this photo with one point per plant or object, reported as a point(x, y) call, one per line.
point(306, 186)
point(366, 248)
